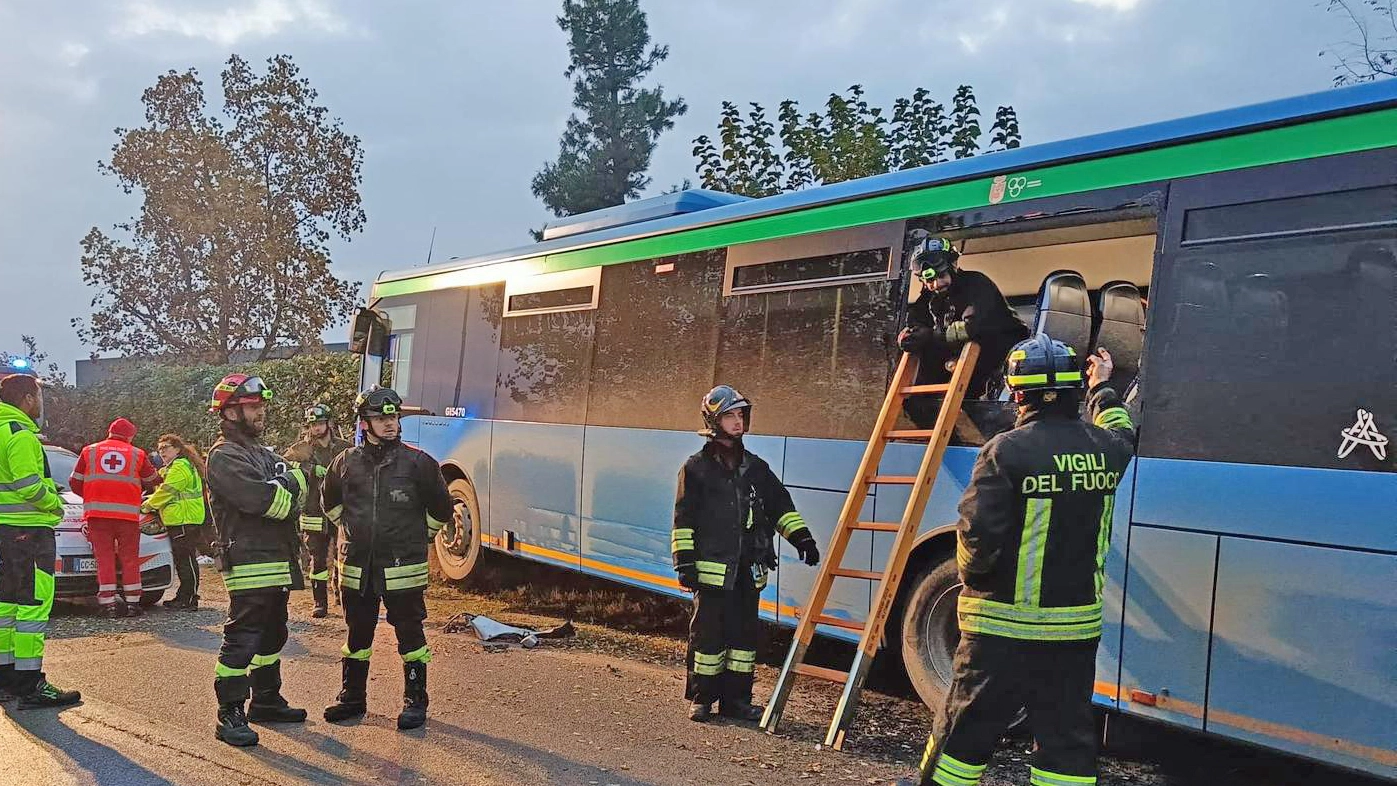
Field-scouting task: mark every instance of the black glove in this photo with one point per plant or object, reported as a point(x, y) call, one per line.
point(688, 577)
point(771, 562)
point(809, 553)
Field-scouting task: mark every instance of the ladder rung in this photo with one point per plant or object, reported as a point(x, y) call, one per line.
point(893, 480)
point(917, 433)
point(943, 388)
point(876, 526)
point(833, 675)
point(850, 573)
point(838, 622)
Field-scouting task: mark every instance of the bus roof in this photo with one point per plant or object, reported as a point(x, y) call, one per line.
point(1294, 111)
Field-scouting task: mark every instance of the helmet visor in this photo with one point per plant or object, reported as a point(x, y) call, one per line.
point(253, 387)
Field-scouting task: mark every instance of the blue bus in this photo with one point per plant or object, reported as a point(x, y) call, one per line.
point(1239, 265)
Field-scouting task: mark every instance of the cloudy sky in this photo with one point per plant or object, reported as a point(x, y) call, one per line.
point(459, 103)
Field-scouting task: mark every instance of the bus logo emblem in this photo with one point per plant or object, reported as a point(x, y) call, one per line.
point(1363, 432)
point(997, 188)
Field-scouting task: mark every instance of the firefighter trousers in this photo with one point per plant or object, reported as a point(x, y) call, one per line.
point(407, 610)
point(254, 633)
point(993, 679)
point(113, 541)
point(26, 594)
point(723, 634)
point(318, 547)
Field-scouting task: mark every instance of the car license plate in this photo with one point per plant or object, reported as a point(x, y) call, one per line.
point(85, 565)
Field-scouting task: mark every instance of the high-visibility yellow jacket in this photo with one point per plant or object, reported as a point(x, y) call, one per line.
point(180, 497)
point(28, 495)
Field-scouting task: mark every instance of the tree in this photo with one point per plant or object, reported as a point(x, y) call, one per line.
point(849, 139)
point(605, 151)
point(230, 250)
point(1374, 54)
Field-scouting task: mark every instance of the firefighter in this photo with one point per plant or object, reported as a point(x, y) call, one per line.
point(110, 476)
point(955, 306)
point(389, 500)
point(179, 502)
point(255, 499)
point(318, 446)
point(1031, 548)
point(30, 508)
point(728, 507)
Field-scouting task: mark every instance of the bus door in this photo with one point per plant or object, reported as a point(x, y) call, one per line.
point(1262, 553)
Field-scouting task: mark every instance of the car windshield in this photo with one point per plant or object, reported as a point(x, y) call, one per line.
point(61, 464)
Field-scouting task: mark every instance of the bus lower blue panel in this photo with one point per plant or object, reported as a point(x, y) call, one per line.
point(465, 443)
point(1168, 610)
point(536, 486)
point(1112, 598)
point(411, 430)
point(1334, 507)
point(628, 484)
point(848, 598)
point(1305, 651)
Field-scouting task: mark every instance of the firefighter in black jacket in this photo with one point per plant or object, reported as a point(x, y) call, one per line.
point(389, 500)
point(318, 446)
point(255, 499)
point(1034, 530)
point(955, 306)
point(728, 507)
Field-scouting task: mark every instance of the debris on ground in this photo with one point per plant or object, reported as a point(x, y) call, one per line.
point(498, 634)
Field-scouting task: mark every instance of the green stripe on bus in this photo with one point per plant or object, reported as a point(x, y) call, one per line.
point(1353, 133)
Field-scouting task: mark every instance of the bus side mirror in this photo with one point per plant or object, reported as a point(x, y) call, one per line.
point(369, 333)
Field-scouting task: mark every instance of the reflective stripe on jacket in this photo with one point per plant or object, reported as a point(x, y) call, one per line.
point(180, 498)
point(389, 503)
point(109, 477)
point(1036, 524)
point(28, 494)
point(255, 500)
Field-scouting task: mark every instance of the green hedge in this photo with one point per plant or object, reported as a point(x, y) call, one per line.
point(175, 399)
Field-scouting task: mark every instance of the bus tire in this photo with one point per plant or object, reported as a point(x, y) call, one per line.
point(931, 631)
point(458, 543)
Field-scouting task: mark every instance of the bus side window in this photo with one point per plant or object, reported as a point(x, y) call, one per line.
point(1270, 342)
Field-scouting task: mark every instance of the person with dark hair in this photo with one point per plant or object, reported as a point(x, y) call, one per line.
point(179, 501)
point(728, 508)
point(955, 306)
point(30, 508)
point(1035, 526)
point(318, 446)
point(255, 499)
point(110, 476)
point(389, 501)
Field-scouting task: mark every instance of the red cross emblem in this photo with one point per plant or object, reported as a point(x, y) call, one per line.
point(113, 462)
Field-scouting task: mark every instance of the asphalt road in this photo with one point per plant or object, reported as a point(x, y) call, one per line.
point(604, 708)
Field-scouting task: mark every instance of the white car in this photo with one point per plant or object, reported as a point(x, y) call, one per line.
point(75, 569)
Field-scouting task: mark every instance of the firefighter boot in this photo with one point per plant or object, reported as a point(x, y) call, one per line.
point(7, 682)
point(700, 713)
point(35, 692)
point(322, 601)
point(414, 712)
point(351, 702)
point(739, 709)
point(268, 706)
point(232, 725)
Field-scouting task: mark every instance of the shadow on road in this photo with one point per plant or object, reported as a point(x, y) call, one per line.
point(106, 766)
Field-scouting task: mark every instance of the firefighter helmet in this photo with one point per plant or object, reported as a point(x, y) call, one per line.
point(720, 401)
point(936, 256)
point(236, 389)
point(317, 413)
point(1043, 363)
point(378, 401)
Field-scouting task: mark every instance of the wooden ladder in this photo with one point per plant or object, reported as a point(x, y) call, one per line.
point(813, 614)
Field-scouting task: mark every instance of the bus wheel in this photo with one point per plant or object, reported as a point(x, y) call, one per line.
point(458, 543)
point(930, 631)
